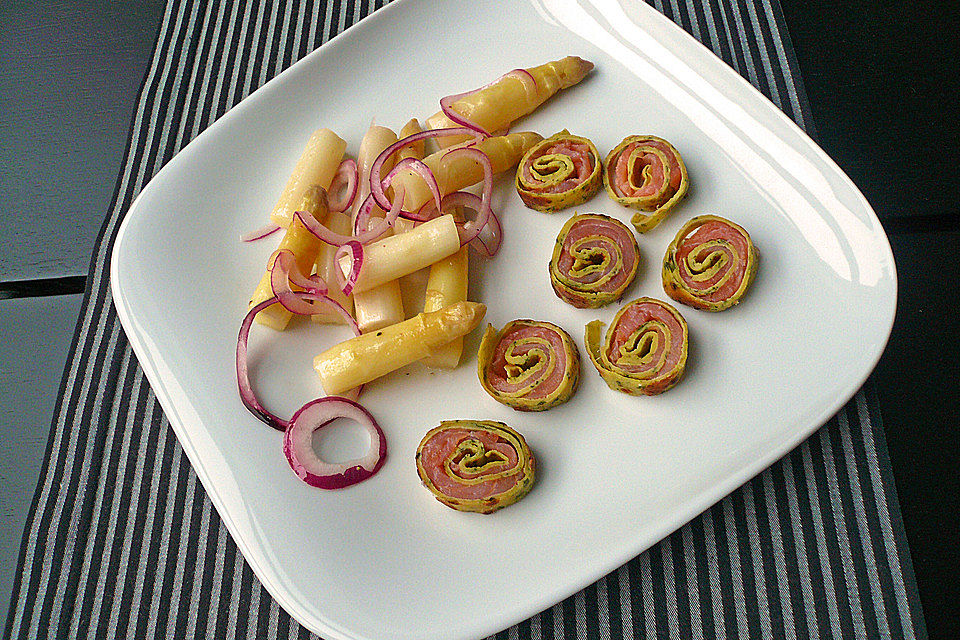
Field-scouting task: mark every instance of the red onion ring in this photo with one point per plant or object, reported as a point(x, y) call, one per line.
point(259, 234)
point(247, 395)
point(331, 237)
point(309, 467)
point(347, 178)
point(445, 103)
point(376, 182)
point(490, 236)
point(471, 229)
point(283, 273)
point(361, 231)
point(361, 221)
point(349, 280)
point(484, 239)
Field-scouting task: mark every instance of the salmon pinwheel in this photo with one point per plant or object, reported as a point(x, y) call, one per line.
point(595, 258)
point(475, 465)
point(559, 172)
point(645, 348)
point(529, 365)
point(710, 264)
point(646, 173)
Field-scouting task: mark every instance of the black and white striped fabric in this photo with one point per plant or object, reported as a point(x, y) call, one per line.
point(123, 543)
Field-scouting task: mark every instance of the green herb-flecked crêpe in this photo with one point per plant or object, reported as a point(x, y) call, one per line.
point(475, 465)
point(594, 260)
point(528, 365)
point(646, 173)
point(559, 172)
point(710, 264)
point(644, 351)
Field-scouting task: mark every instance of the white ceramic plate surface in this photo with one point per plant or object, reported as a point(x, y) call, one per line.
point(383, 559)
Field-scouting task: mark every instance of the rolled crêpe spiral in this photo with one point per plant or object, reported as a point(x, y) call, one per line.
point(529, 365)
point(644, 351)
point(475, 465)
point(645, 173)
point(562, 171)
point(595, 258)
point(710, 264)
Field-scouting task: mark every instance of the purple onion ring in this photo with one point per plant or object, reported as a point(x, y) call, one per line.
point(309, 467)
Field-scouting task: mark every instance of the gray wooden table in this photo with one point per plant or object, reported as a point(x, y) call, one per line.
point(69, 74)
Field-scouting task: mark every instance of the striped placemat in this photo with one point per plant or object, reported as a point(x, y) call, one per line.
point(122, 541)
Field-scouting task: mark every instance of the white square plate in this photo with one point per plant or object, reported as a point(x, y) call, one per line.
point(383, 559)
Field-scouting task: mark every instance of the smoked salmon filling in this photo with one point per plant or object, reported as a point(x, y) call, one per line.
point(475, 465)
point(559, 172)
point(710, 264)
point(528, 365)
point(594, 260)
point(644, 351)
point(646, 173)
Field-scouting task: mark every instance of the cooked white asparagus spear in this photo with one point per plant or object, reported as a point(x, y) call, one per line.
point(496, 107)
point(383, 305)
point(304, 246)
point(456, 172)
point(416, 151)
point(326, 269)
point(317, 166)
point(367, 357)
point(446, 285)
point(400, 255)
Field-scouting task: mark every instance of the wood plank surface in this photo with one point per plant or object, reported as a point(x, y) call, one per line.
point(69, 73)
point(35, 336)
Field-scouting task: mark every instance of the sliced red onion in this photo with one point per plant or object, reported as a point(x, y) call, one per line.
point(259, 234)
point(284, 273)
point(490, 237)
point(349, 280)
point(247, 396)
point(471, 229)
point(446, 102)
point(455, 117)
point(309, 467)
point(361, 231)
point(362, 219)
point(377, 187)
point(343, 188)
point(525, 77)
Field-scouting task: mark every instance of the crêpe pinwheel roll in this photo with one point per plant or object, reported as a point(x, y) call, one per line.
point(475, 465)
point(529, 365)
point(645, 173)
point(710, 264)
point(595, 258)
point(562, 171)
point(644, 351)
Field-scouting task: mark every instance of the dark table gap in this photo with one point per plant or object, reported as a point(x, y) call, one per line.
point(881, 78)
point(42, 287)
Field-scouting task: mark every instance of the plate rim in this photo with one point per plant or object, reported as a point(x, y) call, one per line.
point(715, 493)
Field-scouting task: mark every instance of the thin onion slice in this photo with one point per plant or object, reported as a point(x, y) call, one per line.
point(343, 188)
point(348, 280)
point(247, 395)
point(262, 232)
point(362, 232)
point(309, 467)
point(471, 230)
point(446, 103)
point(377, 186)
point(283, 274)
point(490, 237)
